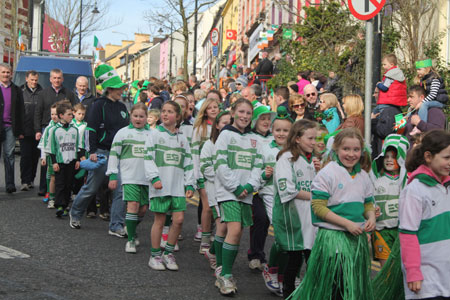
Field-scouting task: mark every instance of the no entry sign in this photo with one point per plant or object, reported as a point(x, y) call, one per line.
point(365, 9)
point(214, 36)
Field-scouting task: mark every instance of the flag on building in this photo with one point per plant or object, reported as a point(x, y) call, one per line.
point(287, 34)
point(231, 34)
point(97, 44)
point(270, 33)
point(20, 43)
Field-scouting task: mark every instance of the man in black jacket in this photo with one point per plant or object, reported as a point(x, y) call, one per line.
point(11, 122)
point(47, 97)
point(29, 153)
point(82, 93)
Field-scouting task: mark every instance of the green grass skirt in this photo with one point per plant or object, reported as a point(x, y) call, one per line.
point(338, 268)
point(388, 284)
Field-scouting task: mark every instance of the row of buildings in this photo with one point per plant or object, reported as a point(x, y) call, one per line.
point(241, 28)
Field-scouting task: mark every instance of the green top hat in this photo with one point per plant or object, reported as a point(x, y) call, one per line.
point(262, 110)
point(135, 84)
point(424, 63)
point(108, 77)
point(283, 114)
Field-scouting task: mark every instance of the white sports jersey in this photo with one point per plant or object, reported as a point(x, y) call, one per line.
point(64, 143)
point(44, 142)
point(207, 170)
point(237, 164)
point(292, 216)
point(168, 158)
point(197, 144)
point(127, 155)
point(269, 158)
point(186, 129)
point(81, 128)
point(424, 210)
point(261, 140)
point(386, 193)
point(346, 195)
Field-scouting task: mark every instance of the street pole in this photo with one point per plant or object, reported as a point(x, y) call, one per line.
point(368, 88)
point(126, 68)
point(195, 37)
point(171, 49)
point(81, 18)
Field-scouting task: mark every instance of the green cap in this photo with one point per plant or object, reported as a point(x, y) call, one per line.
point(145, 84)
point(424, 63)
point(283, 114)
point(108, 77)
point(262, 110)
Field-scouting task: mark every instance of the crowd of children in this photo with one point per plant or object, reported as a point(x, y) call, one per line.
point(328, 203)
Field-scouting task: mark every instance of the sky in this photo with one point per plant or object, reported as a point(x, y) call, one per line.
point(131, 12)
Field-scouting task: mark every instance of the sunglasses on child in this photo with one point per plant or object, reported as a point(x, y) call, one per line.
point(298, 105)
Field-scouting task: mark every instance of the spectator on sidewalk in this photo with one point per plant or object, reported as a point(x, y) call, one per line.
point(312, 105)
point(12, 113)
point(29, 153)
point(82, 93)
point(47, 97)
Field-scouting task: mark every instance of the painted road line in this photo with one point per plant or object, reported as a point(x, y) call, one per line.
point(8, 253)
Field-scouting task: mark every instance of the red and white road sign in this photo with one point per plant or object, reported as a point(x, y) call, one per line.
point(215, 36)
point(365, 9)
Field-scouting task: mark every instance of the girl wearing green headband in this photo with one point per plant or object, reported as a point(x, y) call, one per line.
point(436, 94)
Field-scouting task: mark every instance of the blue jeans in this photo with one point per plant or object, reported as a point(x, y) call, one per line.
point(423, 110)
point(94, 181)
point(8, 145)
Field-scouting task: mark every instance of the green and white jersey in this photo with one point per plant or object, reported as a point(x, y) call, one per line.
point(269, 154)
point(45, 142)
point(291, 216)
point(81, 128)
point(424, 210)
point(260, 139)
point(168, 158)
point(346, 193)
point(386, 192)
point(64, 143)
point(207, 170)
point(127, 155)
point(237, 165)
point(186, 130)
point(197, 145)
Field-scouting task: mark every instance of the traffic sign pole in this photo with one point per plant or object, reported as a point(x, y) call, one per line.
point(368, 89)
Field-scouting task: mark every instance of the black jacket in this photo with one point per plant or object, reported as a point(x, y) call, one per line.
point(265, 67)
point(382, 126)
point(105, 118)
point(87, 100)
point(47, 97)
point(156, 103)
point(17, 110)
point(30, 99)
point(442, 95)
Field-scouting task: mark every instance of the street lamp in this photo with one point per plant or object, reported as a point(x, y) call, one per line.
point(94, 11)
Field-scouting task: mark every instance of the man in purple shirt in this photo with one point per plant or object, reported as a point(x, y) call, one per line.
point(414, 125)
point(12, 113)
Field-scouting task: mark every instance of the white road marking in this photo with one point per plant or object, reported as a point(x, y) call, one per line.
point(8, 253)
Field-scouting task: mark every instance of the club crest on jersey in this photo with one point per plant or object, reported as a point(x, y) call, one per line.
point(299, 173)
point(233, 141)
point(253, 143)
point(123, 114)
point(381, 190)
point(340, 186)
point(161, 141)
point(282, 184)
point(271, 158)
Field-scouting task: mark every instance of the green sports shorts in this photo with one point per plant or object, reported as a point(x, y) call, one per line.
point(235, 211)
point(136, 193)
point(167, 204)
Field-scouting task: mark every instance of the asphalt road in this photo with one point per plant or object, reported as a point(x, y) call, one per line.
point(63, 263)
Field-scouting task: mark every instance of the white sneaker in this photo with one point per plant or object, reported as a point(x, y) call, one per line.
point(226, 285)
point(297, 281)
point(271, 279)
point(169, 261)
point(137, 242)
point(255, 264)
point(130, 247)
point(156, 263)
point(211, 258)
point(198, 234)
point(51, 204)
